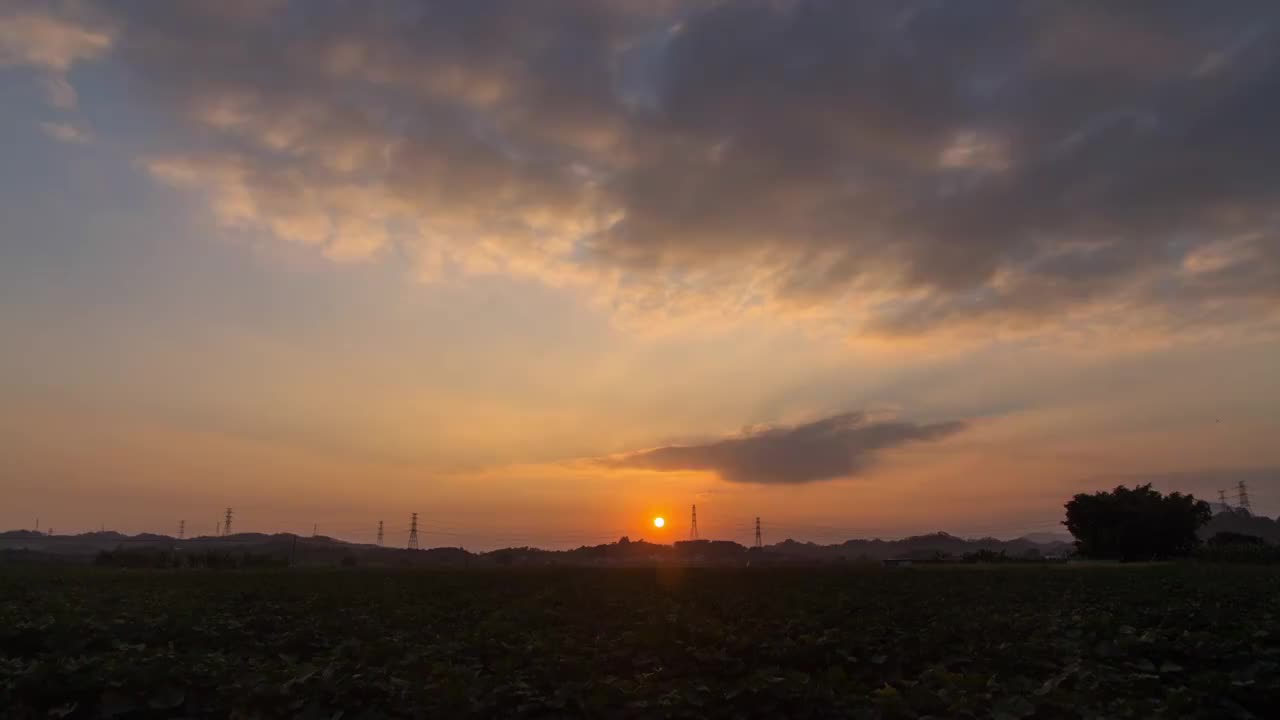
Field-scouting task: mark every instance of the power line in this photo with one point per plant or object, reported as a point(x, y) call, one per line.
point(413, 532)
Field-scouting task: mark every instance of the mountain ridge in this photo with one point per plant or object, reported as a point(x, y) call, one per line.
point(88, 545)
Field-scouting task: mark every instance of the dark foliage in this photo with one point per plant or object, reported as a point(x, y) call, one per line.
point(1234, 539)
point(1248, 554)
point(1171, 641)
point(1239, 548)
point(1243, 522)
point(208, 559)
point(1136, 524)
point(987, 556)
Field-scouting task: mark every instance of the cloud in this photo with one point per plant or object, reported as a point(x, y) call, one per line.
point(31, 36)
point(60, 92)
point(836, 447)
point(64, 132)
point(48, 42)
point(897, 169)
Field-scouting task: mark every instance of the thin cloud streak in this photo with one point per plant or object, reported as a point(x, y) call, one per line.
point(65, 132)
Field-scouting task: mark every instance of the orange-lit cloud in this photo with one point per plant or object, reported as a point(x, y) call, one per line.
point(32, 37)
point(710, 161)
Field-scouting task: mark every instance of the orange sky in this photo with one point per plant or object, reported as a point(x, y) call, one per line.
point(541, 273)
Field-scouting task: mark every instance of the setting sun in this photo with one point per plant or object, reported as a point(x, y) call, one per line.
point(659, 522)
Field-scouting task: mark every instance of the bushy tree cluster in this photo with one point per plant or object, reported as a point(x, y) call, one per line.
point(217, 560)
point(1136, 524)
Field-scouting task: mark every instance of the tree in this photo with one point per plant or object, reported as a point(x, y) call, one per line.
point(1228, 538)
point(1136, 524)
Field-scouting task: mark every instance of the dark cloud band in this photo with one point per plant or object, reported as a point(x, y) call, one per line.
point(921, 166)
point(836, 447)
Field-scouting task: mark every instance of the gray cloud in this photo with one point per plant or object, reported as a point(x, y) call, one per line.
point(835, 447)
point(919, 165)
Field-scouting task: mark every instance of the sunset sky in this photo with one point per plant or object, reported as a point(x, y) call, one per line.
point(540, 271)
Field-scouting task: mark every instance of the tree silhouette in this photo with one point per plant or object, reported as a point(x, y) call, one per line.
point(1229, 538)
point(1136, 524)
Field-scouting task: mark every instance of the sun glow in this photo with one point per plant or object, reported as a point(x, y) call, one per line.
point(659, 522)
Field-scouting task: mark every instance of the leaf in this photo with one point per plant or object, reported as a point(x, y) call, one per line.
point(114, 703)
point(1014, 707)
point(167, 698)
point(1049, 685)
point(888, 692)
point(923, 699)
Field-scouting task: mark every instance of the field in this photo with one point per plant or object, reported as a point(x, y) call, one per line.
point(1045, 642)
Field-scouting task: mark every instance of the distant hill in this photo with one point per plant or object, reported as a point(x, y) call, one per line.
point(21, 535)
point(326, 551)
point(1242, 521)
point(1049, 538)
point(918, 546)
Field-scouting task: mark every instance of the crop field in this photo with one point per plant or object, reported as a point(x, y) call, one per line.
point(1044, 642)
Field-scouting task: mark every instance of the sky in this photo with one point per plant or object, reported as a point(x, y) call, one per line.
point(540, 272)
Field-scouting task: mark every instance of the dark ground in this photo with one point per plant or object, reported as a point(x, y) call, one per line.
point(1013, 642)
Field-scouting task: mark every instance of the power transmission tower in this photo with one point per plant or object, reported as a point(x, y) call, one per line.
point(315, 530)
point(379, 533)
point(693, 525)
point(1222, 501)
point(1242, 496)
point(759, 543)
point(182, 529)
point(413, 532)
point(226, 524)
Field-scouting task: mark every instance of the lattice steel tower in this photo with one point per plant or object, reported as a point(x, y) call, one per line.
point(226, 524)
point(1242, 496)
point(379, 533)
point(693, 524)
point(759, 543)
point(413, 532)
